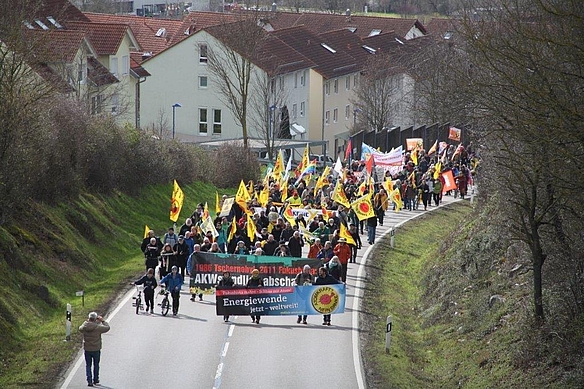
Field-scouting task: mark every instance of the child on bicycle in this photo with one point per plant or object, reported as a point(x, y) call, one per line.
point(149, 282)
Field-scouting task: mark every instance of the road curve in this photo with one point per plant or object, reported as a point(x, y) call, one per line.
point(197, 349)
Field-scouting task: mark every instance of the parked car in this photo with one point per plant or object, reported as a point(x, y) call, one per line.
point(322, 160)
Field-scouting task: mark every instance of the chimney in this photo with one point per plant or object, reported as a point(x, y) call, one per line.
point(274, 7)
point(348, 15)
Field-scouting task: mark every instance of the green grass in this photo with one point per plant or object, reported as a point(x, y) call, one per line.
point(90, 244)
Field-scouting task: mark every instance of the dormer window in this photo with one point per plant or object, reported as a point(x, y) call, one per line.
point(54, 22)
point(41, 24)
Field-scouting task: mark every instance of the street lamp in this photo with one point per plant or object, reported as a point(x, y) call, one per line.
point(174, 107)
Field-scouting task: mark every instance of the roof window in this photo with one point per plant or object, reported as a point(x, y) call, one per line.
point(352, 29)
point(369, 49)
point(398, 41)
point(161, 32)
point(328, 48)
point(41, 24)
point(28, 25)
point(54, 22)
point(374, 32)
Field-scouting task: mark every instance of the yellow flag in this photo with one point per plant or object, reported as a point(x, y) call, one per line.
point(279, 166)
point(232, 230)
point(217, 204)
point(437, 170)
point(344, 233)
point(363, 207)
point(395, 196)
point(339, 195)
point(242, 196)
point(176, 202)
point(414, 156)
point(320, 182)
point(146, 231)
point(206, 211)
point(251, 228)
point(264, 196)
point(433, 148)
point(250, 189)
point(284, 191)
point(289, 215)
point(362, 187)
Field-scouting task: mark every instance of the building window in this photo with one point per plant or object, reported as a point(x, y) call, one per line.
point(114, 66)
point(336, 85)
point(348, 83)
point(327, 88)
point(327, 118)
point(335, 115)
point(202, 53)
point(302, 107)
point(281, 82)
point(96, 104)
point(294, 111)
point(296, 80)
point(355, 78)
point(203, 121)
point(125, 65)
point(347, 111)
point(216, 122)
point(202, 81)
point(303, 78)
point(115, 100)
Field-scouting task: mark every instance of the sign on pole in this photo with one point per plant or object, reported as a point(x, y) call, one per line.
point(388, 334)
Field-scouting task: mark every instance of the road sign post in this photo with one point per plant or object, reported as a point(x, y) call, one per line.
point(388, 334)
point(68, 324)
point(392, 237)
point(81, 294)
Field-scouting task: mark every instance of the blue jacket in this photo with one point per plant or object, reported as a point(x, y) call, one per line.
point(172, 283)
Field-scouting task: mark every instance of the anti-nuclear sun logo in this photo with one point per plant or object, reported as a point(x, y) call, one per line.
point(325, 300)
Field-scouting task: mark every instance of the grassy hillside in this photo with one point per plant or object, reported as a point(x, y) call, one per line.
point(461, 312)
point(50, 252)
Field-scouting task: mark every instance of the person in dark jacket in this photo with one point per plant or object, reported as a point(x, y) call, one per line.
point(182, 251)
point(151, 254)
point(295, 245)
point(146, 241)
point(357, 238)
point(255, 281)
point(325, 279)
point(371, 227)
point(334, 268)
point(303, 278)
point(149, 282)
point(226, 281)
point(174, 282)
point(271, 245)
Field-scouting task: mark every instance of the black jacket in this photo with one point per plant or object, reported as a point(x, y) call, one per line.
point(328, 280)
point(149, 283)
point(255, 282)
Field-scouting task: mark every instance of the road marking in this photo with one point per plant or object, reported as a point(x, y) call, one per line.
point(223, 354)
point(81, 357)
point(359, 292)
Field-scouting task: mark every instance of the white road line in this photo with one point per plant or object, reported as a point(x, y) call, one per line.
point(81, 357)
point(223, 354)
point(357, 301)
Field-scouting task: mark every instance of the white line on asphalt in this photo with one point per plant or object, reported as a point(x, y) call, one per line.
point(224, 349)
point(357, 300)
point(81, 358)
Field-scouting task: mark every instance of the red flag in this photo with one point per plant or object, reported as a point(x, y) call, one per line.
point(348, 149)
point(449, 183)
point(369, 164)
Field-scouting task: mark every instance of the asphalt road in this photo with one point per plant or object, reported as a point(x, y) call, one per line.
point(197, 349)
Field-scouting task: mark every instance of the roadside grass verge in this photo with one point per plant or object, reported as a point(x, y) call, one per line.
point(50, 252)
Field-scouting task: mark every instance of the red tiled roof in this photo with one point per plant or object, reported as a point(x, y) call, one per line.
point(145, 29)
point(105, 37)
point(56, 45)
point(98, 74)
point(136, 67)
point(328, 64)
point(438, 27)
point(363, 25)
point(61, 10)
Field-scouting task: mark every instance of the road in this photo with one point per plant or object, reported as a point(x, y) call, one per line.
point(197, 349)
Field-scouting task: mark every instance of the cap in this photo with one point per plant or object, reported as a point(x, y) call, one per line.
point(174, 268)
point(181, 237)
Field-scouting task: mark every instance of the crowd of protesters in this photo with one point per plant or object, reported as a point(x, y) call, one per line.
point(277, 234)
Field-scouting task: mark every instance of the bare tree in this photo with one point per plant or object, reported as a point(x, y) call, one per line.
point(233, 65)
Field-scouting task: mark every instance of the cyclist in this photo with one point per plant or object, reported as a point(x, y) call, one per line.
point(149, 282)
point(173, 281)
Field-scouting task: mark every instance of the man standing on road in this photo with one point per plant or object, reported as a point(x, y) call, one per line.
point(91, 329)
point(325, 279)
point(344, 252)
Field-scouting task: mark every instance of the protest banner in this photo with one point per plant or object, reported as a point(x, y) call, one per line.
point(276, 271)
point(226, 207)
point(281, 301)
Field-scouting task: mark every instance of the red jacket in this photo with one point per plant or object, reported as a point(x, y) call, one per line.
point(343, 251)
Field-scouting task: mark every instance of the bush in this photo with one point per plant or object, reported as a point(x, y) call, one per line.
point(232, 163)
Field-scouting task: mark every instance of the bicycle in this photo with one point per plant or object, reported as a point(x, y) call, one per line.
point(138, 301)
point(165, 304)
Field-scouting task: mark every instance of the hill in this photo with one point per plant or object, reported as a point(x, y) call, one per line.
point(48, 253)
